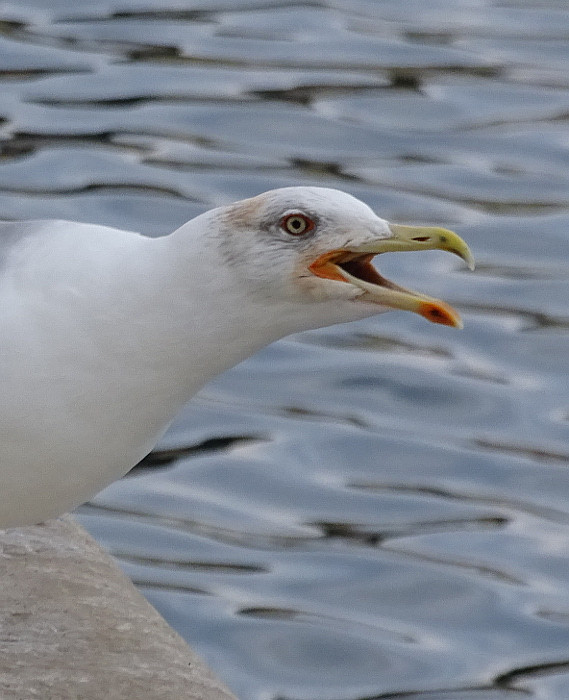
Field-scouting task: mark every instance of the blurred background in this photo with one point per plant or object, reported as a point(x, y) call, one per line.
point(377, 510)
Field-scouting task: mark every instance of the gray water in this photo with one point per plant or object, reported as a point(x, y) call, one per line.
point(377, 510)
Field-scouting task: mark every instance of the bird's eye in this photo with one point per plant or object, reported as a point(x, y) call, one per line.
point(297, 224)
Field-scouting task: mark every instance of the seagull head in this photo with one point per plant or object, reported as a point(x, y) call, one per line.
point(316, 245)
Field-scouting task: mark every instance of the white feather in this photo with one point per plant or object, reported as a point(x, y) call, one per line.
point(104, 333)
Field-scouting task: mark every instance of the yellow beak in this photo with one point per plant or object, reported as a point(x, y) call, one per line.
point(354, 266)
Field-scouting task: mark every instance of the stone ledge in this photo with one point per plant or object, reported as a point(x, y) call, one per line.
point(73, 627)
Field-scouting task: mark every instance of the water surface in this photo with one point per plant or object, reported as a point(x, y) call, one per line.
point(367, 511)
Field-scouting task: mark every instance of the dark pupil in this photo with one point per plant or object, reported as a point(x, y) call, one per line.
point(296, 224)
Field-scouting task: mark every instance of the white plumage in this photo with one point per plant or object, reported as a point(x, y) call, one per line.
point(105, 334)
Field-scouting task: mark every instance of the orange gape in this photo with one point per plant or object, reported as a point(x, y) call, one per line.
point(324, 266)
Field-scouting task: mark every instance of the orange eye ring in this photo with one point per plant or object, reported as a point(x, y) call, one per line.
point(297, 224)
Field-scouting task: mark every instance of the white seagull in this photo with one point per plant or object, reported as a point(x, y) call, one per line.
point(105, 334)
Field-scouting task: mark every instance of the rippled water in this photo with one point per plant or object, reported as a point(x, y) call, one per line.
point(367, 511)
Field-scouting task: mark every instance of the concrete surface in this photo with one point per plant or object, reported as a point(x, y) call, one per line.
point(73, 627)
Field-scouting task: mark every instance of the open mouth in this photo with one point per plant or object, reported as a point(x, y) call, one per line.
point(332, 264)
point(354, 267)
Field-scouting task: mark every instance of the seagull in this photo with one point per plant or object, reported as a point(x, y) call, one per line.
point(105, 334)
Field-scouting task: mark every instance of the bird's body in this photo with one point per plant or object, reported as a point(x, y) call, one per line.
point(105, 334)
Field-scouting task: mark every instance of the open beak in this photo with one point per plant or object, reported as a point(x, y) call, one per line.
point(354, 266)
